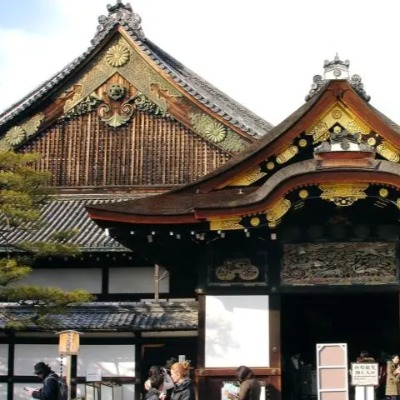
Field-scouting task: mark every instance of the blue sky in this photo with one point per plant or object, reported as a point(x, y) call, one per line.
point(264, 54)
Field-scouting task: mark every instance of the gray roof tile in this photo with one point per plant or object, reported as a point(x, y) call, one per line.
point(68, 213)
point(126, 316)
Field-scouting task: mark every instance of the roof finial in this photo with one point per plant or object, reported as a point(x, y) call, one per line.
point(336, 69)
point(122, 14)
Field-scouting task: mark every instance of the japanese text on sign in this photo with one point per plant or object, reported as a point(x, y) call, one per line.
point(364, 374)
point(68, 343)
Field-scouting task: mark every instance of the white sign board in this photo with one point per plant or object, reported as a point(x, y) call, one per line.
point(364, 374)
point(93, 375)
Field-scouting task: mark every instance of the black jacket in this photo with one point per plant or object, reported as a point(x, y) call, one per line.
point(183, 391)
point(49, 391)
point(152, 394)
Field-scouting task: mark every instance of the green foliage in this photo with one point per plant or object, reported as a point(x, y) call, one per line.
point(11, 272)
point(23, 192)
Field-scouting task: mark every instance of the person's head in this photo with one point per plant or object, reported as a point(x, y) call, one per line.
point(41, 369)
point(156, 381)
point(243, 373)
point(395, 358)
point(180, 371)
point(154, 371)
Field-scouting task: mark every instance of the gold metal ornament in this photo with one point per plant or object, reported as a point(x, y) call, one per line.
point(225, 224)
point(248, 178)
point(337, 114)
point(383, 192)
point(287, 154)
point(241, 267)
point(270, 165)
point(15, 136)
point(302, 142)
point(215, 132)
point(343, 195)
point(117, 56)
point(255, 221)
point(386, 150)
point(303, 194)
point(277, 211)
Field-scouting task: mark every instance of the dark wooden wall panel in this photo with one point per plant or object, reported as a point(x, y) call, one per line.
point(85, 152)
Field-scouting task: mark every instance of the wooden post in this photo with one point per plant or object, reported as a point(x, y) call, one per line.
point(68, 375)
point(156, 282)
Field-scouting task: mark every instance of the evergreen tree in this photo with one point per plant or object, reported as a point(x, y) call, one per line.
point(23, 193)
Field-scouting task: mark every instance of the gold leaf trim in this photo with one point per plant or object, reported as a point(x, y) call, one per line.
point(248, 178)
point(343, 195)
point(287, 154)
point(225, 224)
point(386, 150)
point(277, 211)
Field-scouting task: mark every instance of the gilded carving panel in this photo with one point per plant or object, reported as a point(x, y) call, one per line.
point(339, 264)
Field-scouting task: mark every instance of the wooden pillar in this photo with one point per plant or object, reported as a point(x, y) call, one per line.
point(201, 344)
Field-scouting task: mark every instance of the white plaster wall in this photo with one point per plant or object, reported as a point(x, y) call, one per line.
point(88, 279)
point(3, 360)
point(136, 280)
point(112, 360)
point(3, 391)
point(237, 331)
point(27, 355)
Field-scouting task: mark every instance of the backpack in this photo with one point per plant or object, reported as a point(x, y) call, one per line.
point(62, 387)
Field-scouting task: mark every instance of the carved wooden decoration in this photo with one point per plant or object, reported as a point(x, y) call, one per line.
point(339, 264)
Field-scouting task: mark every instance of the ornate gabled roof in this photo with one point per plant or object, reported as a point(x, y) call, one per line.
point(122, 16)
point(66, 214)
point(258, 184)
point(122, 316)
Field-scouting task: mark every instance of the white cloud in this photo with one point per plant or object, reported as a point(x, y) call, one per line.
point(262, 53)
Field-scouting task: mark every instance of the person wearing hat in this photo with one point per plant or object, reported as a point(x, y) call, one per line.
point(49, 391)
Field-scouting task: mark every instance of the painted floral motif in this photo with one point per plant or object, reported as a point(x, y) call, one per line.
point(15, 136)
point(117, 56)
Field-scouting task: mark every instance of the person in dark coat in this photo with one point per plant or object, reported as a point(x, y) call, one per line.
point(250, 389)
point(293, 377)
point(155, 391)
point(183, 389)
point(50, 389)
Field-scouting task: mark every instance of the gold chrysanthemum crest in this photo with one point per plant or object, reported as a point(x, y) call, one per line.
point(15, 136)
point(117, 56)
point(215, 132)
